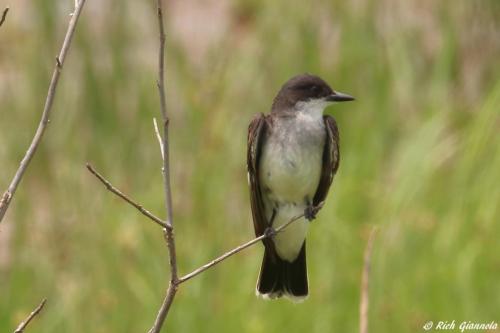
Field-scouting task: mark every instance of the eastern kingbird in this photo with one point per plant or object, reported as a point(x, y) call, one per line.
point(293, 154)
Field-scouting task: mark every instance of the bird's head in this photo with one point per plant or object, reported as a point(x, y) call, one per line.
point(307, 92)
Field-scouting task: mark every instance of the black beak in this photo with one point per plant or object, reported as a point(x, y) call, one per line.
point(339, 97)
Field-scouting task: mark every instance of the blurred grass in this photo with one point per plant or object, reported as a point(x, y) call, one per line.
point(420, 158)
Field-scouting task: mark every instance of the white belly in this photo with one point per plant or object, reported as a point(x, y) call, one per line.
point(290, 170)
point(289, 241)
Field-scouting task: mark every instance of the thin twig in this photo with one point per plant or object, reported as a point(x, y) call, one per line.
point(236, 250)
point(32, 315)
point(168, 232)
point(7, 196)
point(122, 195)
point(158, 137)
point(4, 15)
point(365, 279)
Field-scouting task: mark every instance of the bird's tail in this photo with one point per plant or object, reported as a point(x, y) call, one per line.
point(279, 277)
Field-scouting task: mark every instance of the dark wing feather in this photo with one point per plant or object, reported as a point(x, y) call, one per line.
point(331, 159)
point(256, 132)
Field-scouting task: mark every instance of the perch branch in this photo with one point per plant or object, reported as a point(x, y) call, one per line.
point(4, 15)
point(236, 250)
point(32, 315)
point(365, 278)
point(8, 195)
point(122, 195)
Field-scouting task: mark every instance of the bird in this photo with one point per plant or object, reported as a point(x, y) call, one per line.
point(292, 157)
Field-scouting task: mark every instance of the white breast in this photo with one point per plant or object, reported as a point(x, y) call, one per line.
point(291, 160)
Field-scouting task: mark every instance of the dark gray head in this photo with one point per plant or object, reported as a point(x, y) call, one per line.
point(306, 89)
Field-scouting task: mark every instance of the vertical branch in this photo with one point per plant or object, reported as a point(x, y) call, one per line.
point(163, 108)
point(164, 144)
point(365, 279)
point(44, 121)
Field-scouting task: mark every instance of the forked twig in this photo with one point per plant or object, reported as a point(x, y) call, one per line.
point(174, 284)
point(122, 195)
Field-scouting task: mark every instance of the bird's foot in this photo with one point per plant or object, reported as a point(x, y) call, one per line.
point(311, 211)
point(269, 232)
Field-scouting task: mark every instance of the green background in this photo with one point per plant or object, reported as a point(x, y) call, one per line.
point(420, 159)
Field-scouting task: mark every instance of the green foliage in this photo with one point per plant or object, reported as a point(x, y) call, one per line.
point(420, 158)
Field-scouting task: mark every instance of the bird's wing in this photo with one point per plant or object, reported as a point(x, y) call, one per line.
point(256, 132)
point(331, 159)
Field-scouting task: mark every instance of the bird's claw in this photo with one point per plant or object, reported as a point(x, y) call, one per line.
point(269, 232)
point(311, 211)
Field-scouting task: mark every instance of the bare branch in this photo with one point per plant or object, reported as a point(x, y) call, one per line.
point(163, 109)
point(365, 279)
point(122, 195)
point(4, 15)
point(237, 249)
point(173, 284)
point(32, 315)
point(7, 196)
point(158, 221)
point(169, 232)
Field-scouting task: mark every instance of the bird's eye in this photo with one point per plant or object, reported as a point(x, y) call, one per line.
point(314, 88)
